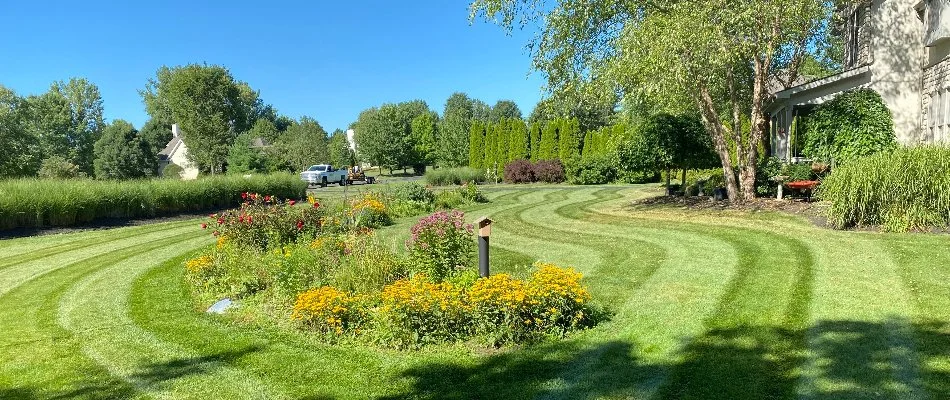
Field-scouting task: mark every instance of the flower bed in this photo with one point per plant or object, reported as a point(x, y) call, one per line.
point(332, 276)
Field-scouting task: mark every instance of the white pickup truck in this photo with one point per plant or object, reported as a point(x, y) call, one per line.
point(323, 174)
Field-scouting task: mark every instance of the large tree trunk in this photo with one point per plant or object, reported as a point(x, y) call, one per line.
point(756, 134)
point(718, 134)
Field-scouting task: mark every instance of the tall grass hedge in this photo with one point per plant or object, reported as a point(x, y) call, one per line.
point(900, 190)
point(34, 203)
point(454, 176)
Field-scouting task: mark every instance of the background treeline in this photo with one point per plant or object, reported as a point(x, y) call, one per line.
point(590, 140)
point(224, 123)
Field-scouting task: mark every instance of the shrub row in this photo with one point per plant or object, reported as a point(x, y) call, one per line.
point(899, 190)
point(31, 203)
point(524, 171)
point(454, 176)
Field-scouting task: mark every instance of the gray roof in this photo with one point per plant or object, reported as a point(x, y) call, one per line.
point(169, 148)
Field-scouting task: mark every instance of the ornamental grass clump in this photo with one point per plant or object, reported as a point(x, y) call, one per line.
point(901, 190)
point(442, 244)
point(33, 203)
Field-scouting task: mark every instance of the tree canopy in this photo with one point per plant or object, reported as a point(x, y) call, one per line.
point(711, 57)
point(209, 105)
point(121, 153)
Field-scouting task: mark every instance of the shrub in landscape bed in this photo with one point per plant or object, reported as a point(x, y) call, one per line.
point(442, 244)
point(410, 199)
point(264, 221)
point(593, 170)
point(369, 211)
point(899, 190)
point(854, 124)
point(454, 176)
point(29, 203)
point(519, 171)
point(549, 171)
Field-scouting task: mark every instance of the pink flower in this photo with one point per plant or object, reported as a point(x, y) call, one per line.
point(292, 202)
point(204, 226)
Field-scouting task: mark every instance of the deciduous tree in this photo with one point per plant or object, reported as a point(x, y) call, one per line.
point(713, 57)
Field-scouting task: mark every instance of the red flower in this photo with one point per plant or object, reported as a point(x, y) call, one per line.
point(220, 221)
point(241, 218)
point(215, 233)
point(204, 226)
point(299, 225)
point(244, 195)
point(315, 204)
point(292, 202)
point(266, 198)
point(249, 219)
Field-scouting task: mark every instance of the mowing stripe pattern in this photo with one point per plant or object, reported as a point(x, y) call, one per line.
point(702, 304)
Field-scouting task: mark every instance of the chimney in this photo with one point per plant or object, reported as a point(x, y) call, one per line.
point(175, 131)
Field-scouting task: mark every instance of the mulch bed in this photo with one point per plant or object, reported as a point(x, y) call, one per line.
point(812, 210)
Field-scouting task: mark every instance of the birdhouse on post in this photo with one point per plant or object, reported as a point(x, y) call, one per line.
point(484, 231)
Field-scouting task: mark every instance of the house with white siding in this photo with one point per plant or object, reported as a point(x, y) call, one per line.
point(898, 48)
point(176, 152)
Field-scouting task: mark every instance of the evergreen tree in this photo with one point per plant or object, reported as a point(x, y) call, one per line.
point(518, 143)
point(490, 146)
point(547, 150)
point(476, 146)
point(501, 142)
point(568, 142)
point(122, 154)
point(535, 140)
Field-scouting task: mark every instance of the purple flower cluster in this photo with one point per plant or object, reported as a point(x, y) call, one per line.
point(440, 224)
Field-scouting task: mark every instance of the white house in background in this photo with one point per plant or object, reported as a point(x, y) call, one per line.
point(898, 48)
point(175, 152)
point(351, 139)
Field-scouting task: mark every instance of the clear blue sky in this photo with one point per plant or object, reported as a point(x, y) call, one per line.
point(325, 59)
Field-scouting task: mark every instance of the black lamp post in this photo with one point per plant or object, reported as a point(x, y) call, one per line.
point(484, 231)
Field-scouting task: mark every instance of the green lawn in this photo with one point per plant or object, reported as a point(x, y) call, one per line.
point(706, 305)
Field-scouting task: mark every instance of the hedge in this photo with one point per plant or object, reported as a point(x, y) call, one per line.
point(36, 203)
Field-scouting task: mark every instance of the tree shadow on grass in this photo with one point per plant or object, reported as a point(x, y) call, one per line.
point(152, 377)
point(849, 360)
point(606, 369)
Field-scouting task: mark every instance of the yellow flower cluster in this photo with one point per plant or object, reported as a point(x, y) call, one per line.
point(221, 242)
point(498, 292)
point(325, 308)
point(549, 280)
point(417, 293)
point(369, 201)
point(199, 264)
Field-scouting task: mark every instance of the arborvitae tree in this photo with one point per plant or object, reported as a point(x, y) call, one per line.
point(568, 141)
point(518, 141)
point(547, 150)
point(501, 142)
point(535, 140)
point(491, 145)
point(588, 149)
point(476, 146)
